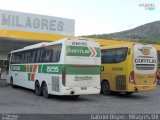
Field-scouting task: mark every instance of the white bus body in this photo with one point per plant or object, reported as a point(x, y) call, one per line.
point(65, 67)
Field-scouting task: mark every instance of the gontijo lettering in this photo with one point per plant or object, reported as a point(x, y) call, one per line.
point(145, 61)
point(83, 51)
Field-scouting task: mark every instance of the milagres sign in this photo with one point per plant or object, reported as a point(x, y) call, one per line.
point(10, 20)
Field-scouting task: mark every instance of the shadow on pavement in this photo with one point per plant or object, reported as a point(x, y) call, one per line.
point(80, 98)
point(131, 96)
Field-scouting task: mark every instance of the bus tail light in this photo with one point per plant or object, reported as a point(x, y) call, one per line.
point(157, 77)
point(157, 74)
point(64, 76)
point(131, 78)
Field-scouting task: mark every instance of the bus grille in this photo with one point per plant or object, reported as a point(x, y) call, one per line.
point(121, 82)
point(55, 83)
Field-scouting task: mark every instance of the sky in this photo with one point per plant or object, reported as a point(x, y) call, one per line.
point(92, 16)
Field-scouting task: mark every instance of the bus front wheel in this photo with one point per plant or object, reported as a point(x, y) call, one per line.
point(38, 89)
point(75, 96)
point(45, 90)
point(105, 88)
point(11, 83)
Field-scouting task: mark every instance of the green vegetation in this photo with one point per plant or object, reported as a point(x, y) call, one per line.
point(148, 33)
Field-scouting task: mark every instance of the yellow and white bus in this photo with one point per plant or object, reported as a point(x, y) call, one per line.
point(128, 68)
point(65, 67)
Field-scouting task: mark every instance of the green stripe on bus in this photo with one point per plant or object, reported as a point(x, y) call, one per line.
point(21, 68)
point(57, 69)
point(39, 68)
point(52, 69)
point(98, 51)
point(82, 70)
point(29, 76)
point(31, 68)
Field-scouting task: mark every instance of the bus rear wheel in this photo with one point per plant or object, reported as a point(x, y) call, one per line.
point(128, 93)
point(38, 89)
point(45, 90)
point(105, 88)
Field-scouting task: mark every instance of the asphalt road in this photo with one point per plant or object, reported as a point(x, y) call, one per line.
point(20, 100)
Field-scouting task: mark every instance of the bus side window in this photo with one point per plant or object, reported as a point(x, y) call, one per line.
point(108, 56)
point(56, 53)
point(39, 55)
point(13, 59)
point(46, 55)
point(121, 54)
point(114, 55)
point(33, 56)
point(23, 57)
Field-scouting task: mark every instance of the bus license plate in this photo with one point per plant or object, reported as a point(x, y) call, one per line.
point(83, 88)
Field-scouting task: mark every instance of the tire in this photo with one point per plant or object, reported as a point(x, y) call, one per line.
point(105, 88)
point(12, 83)
point(128, 93)
point(75, 96)
point(45, 90)
point(38, 89)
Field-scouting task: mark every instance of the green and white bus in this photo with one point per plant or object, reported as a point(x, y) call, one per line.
point(69, 66)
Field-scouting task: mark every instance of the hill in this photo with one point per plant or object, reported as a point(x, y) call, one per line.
point(147, 33)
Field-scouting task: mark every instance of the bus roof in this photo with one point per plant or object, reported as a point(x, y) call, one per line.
point(123, 45)
point(117, 45)
point(38, 45)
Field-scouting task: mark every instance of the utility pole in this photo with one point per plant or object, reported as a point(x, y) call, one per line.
point(129, 32)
